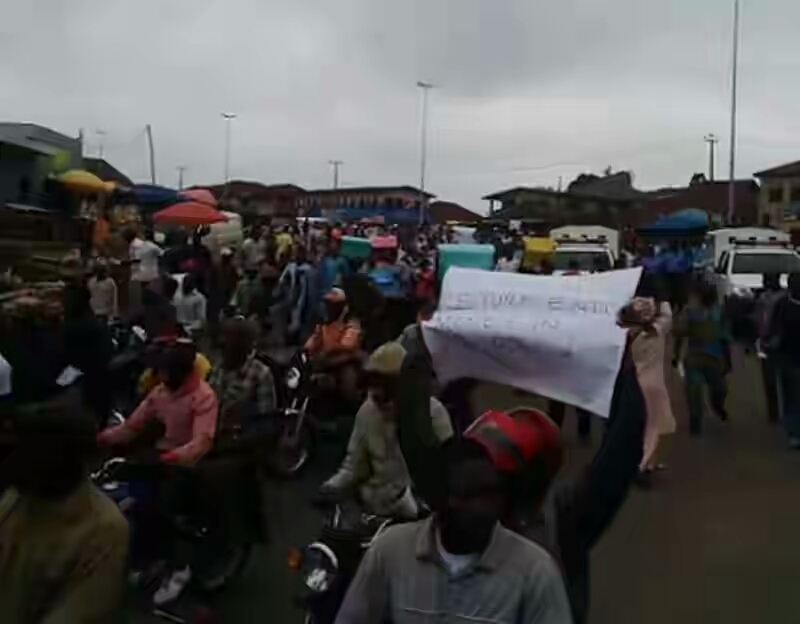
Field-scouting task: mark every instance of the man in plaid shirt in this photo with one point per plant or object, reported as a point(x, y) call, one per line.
point(243, 384)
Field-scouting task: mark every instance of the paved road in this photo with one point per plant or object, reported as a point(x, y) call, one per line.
point(713, 541)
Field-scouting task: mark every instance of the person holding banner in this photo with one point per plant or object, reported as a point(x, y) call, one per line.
point(648, 321)
point(557, 337)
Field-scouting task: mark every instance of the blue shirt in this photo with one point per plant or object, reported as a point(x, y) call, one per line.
point(388, 280)
point(331, 271)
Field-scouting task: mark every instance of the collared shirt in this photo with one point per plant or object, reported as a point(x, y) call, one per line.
point(61, 561)
point(402, 579)
point(251, 383)
point(189, 415)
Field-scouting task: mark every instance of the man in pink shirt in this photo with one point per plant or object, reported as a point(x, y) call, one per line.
point(184, 403)
point(187, 406)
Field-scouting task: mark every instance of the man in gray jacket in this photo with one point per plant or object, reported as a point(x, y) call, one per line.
point(459, 565)
point(374, 466)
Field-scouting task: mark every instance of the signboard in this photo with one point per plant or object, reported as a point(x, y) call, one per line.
point(553, 336)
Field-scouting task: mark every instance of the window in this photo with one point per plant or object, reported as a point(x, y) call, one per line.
point(761, 263)
point(723, 262)
point(795, 193)
point(586, 260)
point(775, 195)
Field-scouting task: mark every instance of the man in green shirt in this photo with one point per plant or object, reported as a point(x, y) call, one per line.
point(63, 543)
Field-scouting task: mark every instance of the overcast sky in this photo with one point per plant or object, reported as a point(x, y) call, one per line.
point(527, 91)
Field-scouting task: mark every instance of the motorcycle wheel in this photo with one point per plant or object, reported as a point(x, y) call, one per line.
point(213, 575)
point(292, 455)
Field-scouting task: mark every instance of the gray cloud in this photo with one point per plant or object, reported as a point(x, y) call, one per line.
point(528, 91)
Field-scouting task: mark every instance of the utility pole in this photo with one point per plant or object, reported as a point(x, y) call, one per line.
point(734, 95)
point(100, 137)
point(228, 117)
point(335, 164)
point(712, 141)
point(426, 87)
point(149, 133)
point(181, 169)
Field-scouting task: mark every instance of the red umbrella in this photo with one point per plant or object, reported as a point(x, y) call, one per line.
point(191, 213)
point(201, 195)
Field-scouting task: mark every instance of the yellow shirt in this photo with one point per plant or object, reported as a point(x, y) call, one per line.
point(148, 381)
point(284, 242)
point(61, 562)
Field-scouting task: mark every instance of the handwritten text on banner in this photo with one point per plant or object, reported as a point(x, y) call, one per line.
point(554, 336)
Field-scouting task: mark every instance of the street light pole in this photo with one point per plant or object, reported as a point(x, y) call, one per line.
point(228, 117)
point(335, 164)
point(734, 95)
point(426, 87)
point(181, 169)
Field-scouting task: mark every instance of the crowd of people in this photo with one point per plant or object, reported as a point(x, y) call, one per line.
point(507, 538)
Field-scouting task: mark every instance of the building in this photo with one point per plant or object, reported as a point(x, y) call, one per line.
point(709, 196)
point(28, 155)
point(588, 200)
point(444, 211)
point(254, 200)
point(779, 200)
point(613, 201)
point(106, 171)
point(395, 204)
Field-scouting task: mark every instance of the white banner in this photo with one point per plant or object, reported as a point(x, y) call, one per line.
point(553, 336)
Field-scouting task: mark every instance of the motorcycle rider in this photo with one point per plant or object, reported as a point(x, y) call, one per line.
point(187, 407)
point(374, 465)
point(335, 346)
point(460, 564)
point(63, 543)
point(244, 386)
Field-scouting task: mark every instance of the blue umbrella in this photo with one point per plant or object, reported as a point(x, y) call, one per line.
point(153, 195)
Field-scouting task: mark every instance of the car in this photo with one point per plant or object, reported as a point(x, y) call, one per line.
point(740, 270)
point(738, 278)
point(588, 256)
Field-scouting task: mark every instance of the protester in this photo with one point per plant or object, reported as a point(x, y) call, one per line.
point(374, 464)
point(575, 513)
point(63, 543)
point(245, 299)
point(707, 360)
point(293, 294)
point(784, 339)
point(187, 407)
point(190, 307)
point(335, 346)
point(648, 321)
point(88, 347)
point(765, 308)
point(461, 564)
point(249, 250)
point(144, 255)
point(332, 267)
point(103, 291)
point(243, 385)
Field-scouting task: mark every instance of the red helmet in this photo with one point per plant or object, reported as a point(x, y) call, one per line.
point(524, 444)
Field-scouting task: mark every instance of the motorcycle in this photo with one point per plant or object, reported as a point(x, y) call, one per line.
point(221, 550)
point(127, 365)
point(295, 440)
point(308, 404)
point(328, 565)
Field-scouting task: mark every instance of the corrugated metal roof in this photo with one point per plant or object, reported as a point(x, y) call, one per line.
point(29, 144)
